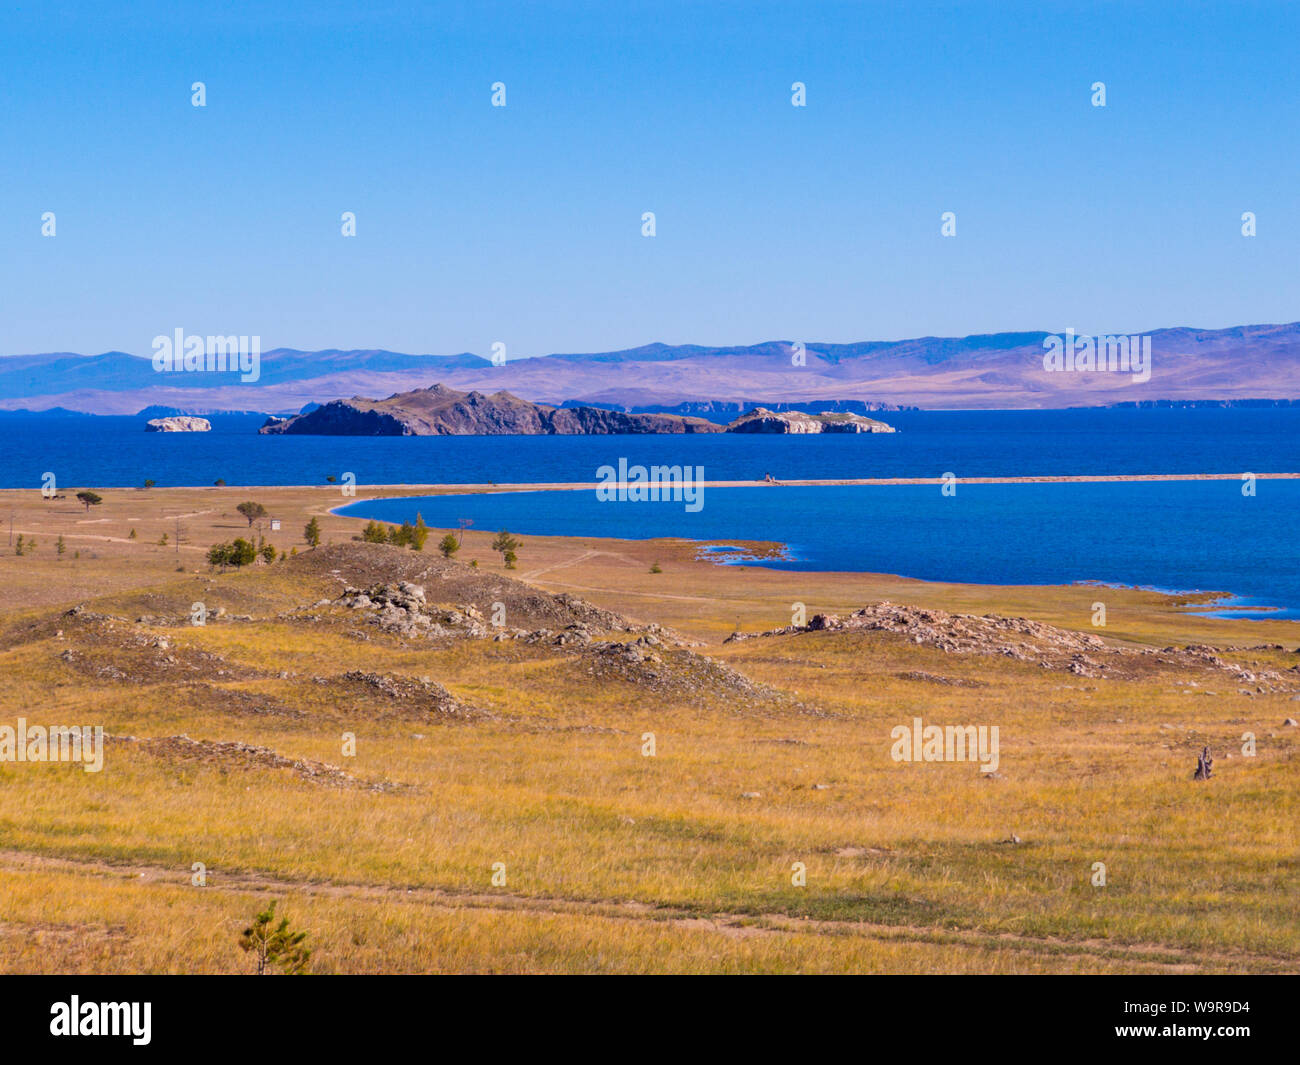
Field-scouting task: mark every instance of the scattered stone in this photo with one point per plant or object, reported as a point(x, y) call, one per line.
point(425, 695)
point(1022, 640)
point(233, 754)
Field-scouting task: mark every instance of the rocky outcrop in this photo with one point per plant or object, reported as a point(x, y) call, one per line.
point(404, 609)
point(442, 411)
point(574, 420)
point(178, 424)
point(762, 420)
point(1025, 640)
point(225, 755)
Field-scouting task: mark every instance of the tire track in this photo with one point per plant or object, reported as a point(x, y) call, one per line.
point(1171, 959)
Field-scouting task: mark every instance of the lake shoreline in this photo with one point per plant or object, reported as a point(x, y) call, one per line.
point(1153, 537)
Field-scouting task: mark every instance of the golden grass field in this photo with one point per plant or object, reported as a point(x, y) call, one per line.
point(614, 861)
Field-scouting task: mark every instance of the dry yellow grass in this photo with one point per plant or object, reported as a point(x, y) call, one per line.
point(614, 861)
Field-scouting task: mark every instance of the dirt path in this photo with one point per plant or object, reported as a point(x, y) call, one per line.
point(1155, 957)
point(560, 565)
point(581, 558)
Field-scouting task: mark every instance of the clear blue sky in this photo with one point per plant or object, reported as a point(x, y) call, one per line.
point(522, 224)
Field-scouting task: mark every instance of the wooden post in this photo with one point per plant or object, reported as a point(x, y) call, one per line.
point(1204, 765)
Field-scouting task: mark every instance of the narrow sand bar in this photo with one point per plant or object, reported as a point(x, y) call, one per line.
point(577, 486)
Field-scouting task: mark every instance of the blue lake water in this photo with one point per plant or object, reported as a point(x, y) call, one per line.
point(116, 452)
point(1182, 535)
point(1172, 535)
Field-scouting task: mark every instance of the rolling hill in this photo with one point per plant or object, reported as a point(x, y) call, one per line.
point(1002, 370)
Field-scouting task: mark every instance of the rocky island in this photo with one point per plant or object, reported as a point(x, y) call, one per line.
point(762, 420)
point(179, 424)
point(442, 411)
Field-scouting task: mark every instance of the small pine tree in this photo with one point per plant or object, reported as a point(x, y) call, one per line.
point(275, 946)
point(242, 553)
point(268, 553)
point(448, 545)
point(60, 546)
point(162, 540)
point(19, 545)
point(312, 533)
point(656, 568)
point(131, 535)
point(507, 545)
point(420, 534)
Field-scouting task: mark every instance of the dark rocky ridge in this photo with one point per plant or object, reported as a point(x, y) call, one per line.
point(443, 411)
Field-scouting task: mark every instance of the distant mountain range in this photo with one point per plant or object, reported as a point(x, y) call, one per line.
point(999, 370)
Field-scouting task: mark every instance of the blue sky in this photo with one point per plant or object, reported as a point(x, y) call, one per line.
point(523, 224)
